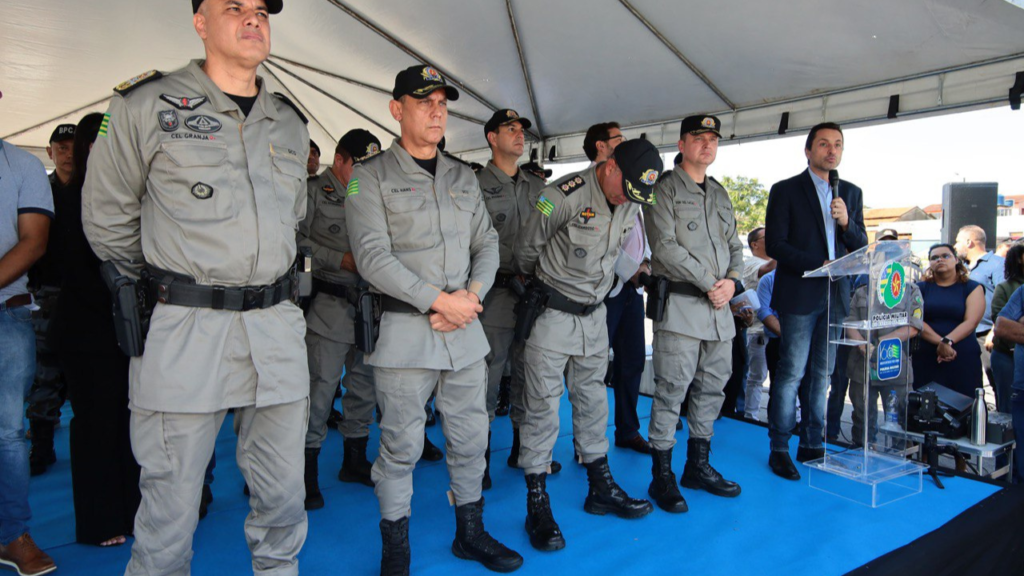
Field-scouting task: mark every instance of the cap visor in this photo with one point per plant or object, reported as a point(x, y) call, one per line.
point(638, 193)
point(449, 91)
point(703, 130)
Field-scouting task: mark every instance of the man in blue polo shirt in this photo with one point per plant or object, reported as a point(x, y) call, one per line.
point(1010, 327)
point(26, 208)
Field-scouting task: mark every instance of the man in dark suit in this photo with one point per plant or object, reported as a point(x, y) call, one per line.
point(806, 227)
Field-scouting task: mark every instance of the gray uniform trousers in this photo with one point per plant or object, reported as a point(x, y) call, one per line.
point(679, 363)
point(326, 360)
point(401, 393)
point(174, 449)
point(500, 341)
point(498, 321)
point(585, 380)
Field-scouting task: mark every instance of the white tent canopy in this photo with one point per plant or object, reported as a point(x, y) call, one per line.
point(566, 64)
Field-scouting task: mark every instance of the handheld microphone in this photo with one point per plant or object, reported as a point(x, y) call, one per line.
point(833, 182)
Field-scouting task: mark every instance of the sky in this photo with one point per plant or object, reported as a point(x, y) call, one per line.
point(904, 163)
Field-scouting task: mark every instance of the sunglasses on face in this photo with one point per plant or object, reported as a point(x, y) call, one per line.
point(937, 257)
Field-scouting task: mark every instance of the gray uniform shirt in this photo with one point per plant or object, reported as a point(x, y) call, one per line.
point(414, 235)
point(572, 238)
point(509, 204)
point(180, 180)
point(693, 239)
point(324, 231)
point(912, 305)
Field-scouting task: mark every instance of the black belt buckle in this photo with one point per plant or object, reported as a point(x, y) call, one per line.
point(252, 299)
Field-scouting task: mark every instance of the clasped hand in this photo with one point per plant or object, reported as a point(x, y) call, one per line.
point(721, 293)
point(453, 311)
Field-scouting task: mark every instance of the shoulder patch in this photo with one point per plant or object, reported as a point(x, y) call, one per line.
point(353, 187)
point(545, 206)
point(293, 107)
point(132, 83)
point(570, 184)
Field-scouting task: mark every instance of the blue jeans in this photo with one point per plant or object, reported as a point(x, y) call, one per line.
point(17, 370)
point(804, 347)
point(1002, 379)
point(1017, 411)
point(837, 394)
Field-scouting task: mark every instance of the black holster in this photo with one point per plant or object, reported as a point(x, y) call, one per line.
point(532, 303)
point(657, 295)
point(367, 325)
point(131, 309)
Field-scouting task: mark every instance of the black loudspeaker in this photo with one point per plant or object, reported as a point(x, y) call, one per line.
point(966, 203)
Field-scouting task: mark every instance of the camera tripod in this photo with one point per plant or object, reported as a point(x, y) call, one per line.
point(930, 452)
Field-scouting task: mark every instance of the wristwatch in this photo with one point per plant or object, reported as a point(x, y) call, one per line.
point(947, 341)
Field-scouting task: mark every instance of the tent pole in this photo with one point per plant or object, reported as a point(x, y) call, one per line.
point(526, 70)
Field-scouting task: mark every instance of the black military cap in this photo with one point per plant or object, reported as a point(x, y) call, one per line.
point(359, 144)
point(273, 6)
point(505, 116)
point(887, 234)
point(420, 81)
point(62, 133)
point(313, 146)
point(700, 124)
point(537, 170)
point(640, 164)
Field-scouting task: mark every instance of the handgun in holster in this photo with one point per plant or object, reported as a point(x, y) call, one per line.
point(532, 303)
point(304, 278)
point(131, 309)
point(368, 313)
point(657, 295)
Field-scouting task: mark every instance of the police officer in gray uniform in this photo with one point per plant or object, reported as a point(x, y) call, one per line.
point(692, 231)
point(570, 245)
point(330, 333)
point(509, 194)
point(422, 239)
point(199, 176)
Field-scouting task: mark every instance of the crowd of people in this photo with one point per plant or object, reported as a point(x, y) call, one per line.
point(483, 292)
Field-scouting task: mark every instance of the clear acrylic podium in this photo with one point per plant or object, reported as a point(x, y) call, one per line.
point(874, 472)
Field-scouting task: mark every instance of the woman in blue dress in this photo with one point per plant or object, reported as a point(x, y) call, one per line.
point(953, 306)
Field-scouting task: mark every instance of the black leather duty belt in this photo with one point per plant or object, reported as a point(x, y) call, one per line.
point(337, 290)
point(179, 290)
point(558, 301)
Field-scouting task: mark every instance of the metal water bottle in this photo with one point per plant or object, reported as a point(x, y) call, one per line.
point(979, 418)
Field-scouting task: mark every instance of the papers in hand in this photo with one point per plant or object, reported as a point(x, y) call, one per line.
point(746, 300)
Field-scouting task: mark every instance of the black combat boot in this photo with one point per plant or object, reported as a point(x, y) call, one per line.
point(431, 419)
point(540, 523)
point(41, 454)
point(513, 455)
point(698, 473)
point(355, 467)
point(663, 486)
point(605, 495)
point(486, 483)
point(205, 500)
point(472, 542)
point(314, 499)
point(503, 396)
point(395, 553)
point(430, 453)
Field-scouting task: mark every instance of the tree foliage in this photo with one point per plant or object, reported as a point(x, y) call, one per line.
point(749, 200)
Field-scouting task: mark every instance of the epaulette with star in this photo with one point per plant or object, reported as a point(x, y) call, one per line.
point(570, 184)
point(132, 83)
point(292, 105)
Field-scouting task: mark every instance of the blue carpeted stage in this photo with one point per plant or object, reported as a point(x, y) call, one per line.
point(774, 527)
